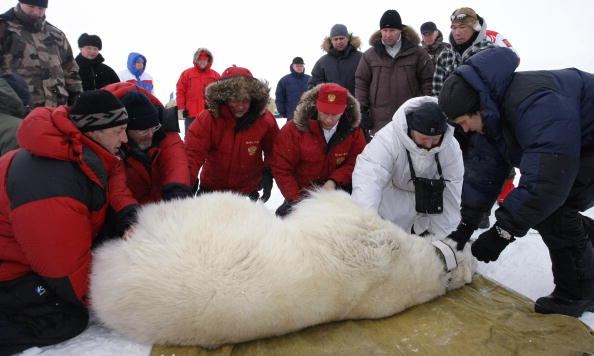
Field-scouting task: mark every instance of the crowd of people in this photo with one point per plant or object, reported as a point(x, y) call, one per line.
point(427, 133)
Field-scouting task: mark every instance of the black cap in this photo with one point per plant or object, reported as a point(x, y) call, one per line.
point(142, 114)
point(97, 110)
point(297, 60)
point(428, 27)
point(458, 98)
point(89, 40)
point(40, 3)
point(427, 119)
point(391, 19)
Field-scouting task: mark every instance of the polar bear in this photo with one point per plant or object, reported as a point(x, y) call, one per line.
point(220, 269)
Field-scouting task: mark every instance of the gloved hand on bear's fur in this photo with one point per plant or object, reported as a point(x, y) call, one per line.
point(266, 184)
point(462, 234)
point(490, 243)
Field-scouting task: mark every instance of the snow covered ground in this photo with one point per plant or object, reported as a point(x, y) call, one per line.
point(523, 266)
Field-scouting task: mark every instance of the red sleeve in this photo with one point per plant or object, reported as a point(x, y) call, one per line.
point(198, 143)
point(286, 159)
point(344, 174)
point(173, 162)
point(118, 193)
point(57, 244)
point(180, 92)
point(269, 138)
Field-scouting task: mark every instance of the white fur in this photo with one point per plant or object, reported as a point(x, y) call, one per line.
point(220, 269)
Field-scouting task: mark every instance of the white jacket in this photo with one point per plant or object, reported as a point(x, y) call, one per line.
point(382, 179)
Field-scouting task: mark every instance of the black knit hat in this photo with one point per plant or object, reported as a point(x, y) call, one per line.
point(40, 3)
point(427, 119)
point(142, 114)
point(19, 86)
point(97, 110)
point(428, 27)
point(89, 40)
point(458, 98)
point(297, 60)
point(391, 19)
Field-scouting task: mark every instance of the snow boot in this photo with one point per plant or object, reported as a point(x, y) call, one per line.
point(484, 223)
point(552, 304)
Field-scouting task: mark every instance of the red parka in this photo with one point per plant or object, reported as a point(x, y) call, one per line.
point(232, 152)
point(192, 84)
point(54, 193)
point(162, 170)
point(303, 159)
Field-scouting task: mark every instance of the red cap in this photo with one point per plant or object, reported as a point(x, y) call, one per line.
point(203, 55)
point(236, 71)
point(332, 99)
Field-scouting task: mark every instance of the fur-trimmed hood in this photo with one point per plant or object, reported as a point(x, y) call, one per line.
point(354, 41)
point(237, 88)
point(198, 52)
point(408, 34)
point(306, 110)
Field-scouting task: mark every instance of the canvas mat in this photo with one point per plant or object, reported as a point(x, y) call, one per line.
point(482, 318)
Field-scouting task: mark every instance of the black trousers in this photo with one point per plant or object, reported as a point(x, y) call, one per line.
point(565, 232)
point(32, 315)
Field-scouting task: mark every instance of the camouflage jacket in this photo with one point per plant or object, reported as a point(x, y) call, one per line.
point(40, 53)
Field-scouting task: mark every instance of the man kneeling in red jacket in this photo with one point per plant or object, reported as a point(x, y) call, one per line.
point(319, 147)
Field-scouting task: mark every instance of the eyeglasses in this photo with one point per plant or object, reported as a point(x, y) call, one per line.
point(460, 17)
point(149, 130)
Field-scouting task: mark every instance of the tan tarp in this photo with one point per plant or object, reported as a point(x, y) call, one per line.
point(482, 318)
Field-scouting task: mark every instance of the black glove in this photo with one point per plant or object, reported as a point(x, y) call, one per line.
point(185, 113)
point(285, 209)
point(462, 234)
point(266, 184)
point(176, 191)
point(490, 243)
point(125, 218)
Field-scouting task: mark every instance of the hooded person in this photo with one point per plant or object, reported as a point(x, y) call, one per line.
point(411, 172)
point(154, 158)
point(518, 118)
point(40, 53)
point(135, 72)
point(230, 144)
point(395, 69)
point(318, 148)
point(46, 257)
point(93, 72)
point(340, 62)
point(290, 88)
point(14, 105)
point(191, 85)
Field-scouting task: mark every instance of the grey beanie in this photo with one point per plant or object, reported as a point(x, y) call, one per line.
point(339, 30)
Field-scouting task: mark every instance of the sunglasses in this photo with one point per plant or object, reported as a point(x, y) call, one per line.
point(149, 130)
point(460, 17)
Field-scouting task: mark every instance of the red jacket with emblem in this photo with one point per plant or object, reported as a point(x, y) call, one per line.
point(161, 172)
point(303, 159)
point(54, 193)
point(192, 84)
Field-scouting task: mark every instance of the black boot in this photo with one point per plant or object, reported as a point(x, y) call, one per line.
point(484, 224)
point(552, 304)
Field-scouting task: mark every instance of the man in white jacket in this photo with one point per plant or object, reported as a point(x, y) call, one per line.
point(411, 172)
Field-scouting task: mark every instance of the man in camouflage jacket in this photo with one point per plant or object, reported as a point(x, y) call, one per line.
point(40, 53)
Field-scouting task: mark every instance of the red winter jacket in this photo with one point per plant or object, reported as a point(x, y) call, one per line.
point(160, 171)
point(53, 198)
point(303, 159)
point(230, 161)
point(191, 84)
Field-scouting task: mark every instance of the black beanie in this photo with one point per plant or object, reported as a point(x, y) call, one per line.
point(427, 119)
point(19, 86)
point(458, 98)
point(89, 40)
point(97, 110)
point(297, 60)
point(40, 3)
point(142, 114)
point(391, 19)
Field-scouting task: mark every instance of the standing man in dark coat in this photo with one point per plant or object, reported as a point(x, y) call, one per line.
point(395, 69)
point(93, 73)
point(433, 40)
point(543, 123)
point(340, 63)
point(290, 87)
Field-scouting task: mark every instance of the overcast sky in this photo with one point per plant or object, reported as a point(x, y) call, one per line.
point(265, 35)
